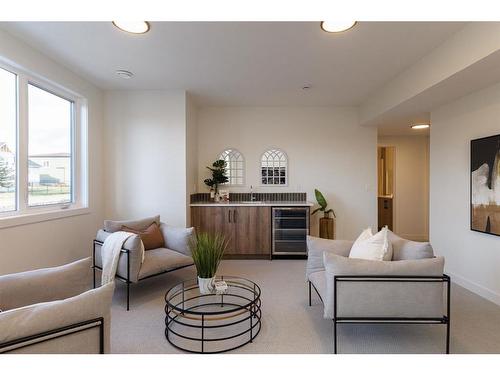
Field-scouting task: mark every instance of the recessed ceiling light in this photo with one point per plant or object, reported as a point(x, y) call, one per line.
point(420, 126)
point(125, 74)
point(134, 27)
point(337, 26)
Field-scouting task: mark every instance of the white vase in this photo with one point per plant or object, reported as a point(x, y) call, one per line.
point(206, 285)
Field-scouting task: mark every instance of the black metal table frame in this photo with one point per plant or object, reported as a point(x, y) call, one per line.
point(253, 307)
point(127, 280)
point(445, 319)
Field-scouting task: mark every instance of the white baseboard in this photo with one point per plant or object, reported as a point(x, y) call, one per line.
point(484, 292)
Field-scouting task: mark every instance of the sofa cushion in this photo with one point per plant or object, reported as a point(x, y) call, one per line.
point(162, 259)
point(140, 224)
point(336, 265)
point(151, 237)
point(46, 284)
point(177, 238)
point(403, 249)
point(372, 247)
point(317, 246)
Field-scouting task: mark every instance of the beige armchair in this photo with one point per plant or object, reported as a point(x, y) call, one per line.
point(131, 267)
point(55, 310)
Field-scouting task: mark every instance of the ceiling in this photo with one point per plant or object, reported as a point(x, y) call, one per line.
point(241, 63)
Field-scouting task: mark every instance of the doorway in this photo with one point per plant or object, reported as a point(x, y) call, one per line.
point(385, 175)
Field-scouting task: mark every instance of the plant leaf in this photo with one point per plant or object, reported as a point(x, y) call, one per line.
point(207, 251)
point(321, 199)
point(316, 210)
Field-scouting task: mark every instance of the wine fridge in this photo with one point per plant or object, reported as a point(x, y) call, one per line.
point(289, 230)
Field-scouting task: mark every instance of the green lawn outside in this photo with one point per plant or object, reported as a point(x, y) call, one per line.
point(38, 195)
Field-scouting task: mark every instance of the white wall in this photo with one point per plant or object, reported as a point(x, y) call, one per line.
point(411, 193)
point(146, 155)
point(191, 153)
point(472, 259)
point(59, 241)
point(326, 149)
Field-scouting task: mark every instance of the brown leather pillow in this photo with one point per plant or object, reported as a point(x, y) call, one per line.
point(151, 237)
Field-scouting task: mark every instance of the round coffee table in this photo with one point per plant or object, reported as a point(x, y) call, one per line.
point(212, 323)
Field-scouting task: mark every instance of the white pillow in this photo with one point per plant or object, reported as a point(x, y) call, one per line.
point(365, 235)
point(372, 247)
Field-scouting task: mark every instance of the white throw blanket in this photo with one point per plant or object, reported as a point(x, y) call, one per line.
point(110, 253)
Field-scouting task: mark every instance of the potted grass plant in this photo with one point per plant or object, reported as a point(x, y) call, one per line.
point(326, 227)
point(207, 250)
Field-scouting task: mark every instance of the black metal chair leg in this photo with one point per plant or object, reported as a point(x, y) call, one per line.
point(93, 262)
point(448, 337)
point(309, 293)
point(334, 337)
point(128, 295)
point(448, 313)
point(128, 280)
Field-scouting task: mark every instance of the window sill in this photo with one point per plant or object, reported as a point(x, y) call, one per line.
point(36, 217)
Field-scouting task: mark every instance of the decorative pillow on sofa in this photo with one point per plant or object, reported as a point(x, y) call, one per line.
point(151, 237)
point(372, 247)
point(141, 224)
point(403, 249)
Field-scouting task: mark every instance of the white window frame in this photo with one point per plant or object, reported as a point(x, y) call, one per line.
point(25, 214)
point(219, 156)
point(286, 165)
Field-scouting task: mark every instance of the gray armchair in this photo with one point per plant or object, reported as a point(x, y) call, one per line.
point(55, 310)
point(412, 289)
point(131, 269)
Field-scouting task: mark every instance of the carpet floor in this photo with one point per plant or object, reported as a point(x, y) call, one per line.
point(289, 325)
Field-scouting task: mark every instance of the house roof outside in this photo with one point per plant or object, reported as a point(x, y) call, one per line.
point(32, 164)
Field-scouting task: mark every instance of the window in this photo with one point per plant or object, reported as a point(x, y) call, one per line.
point(235, 166)
point(8, 142)
point(274, 167)
point(42, 147)
point(50, 123)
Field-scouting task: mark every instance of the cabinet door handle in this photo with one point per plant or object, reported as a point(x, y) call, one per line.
point(234, 216)
point(229, 215)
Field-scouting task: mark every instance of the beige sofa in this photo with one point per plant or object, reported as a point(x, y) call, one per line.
point(131, 267)
point(55, 310)
point(411, 288)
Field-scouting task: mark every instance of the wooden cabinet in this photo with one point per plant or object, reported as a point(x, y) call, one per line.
point(253, 230)
point(214, 219)
point(248, 228)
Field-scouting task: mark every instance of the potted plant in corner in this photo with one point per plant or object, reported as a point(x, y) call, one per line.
point(207, 251)
point(326, 222)
point(219, 176)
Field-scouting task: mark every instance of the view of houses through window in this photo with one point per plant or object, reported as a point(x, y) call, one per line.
point(49, 177)
point(49, 148)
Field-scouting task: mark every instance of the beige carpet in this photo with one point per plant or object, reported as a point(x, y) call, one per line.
point(289, 325)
